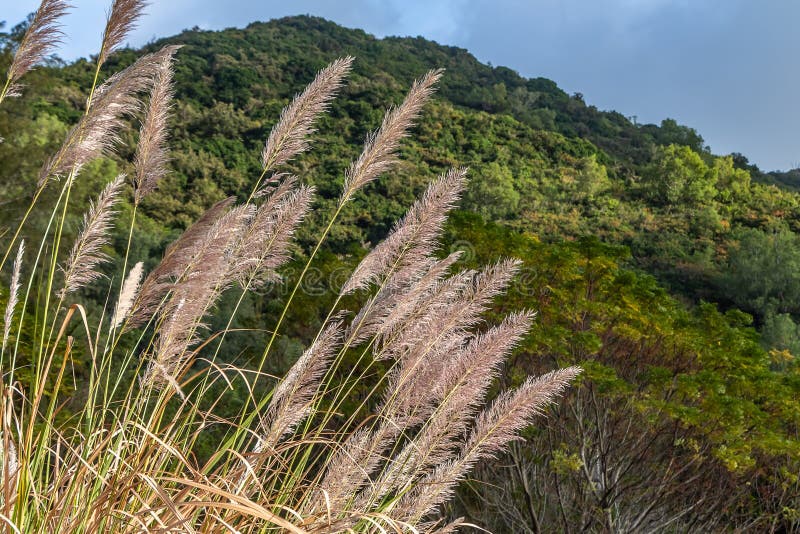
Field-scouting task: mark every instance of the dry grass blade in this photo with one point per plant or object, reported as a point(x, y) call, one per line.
point(449, 528)
point(232, 501)
point(152, 156)
point(288, 137)
point(121, 20)
point(42, 36)
point(13, 295)
point(379, 152)
point(87, 254)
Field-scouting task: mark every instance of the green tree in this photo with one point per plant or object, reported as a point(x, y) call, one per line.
point(492, 192)
point(677, 175)
point(762, 274)
point(733, 184)
point(672, 133)
point(591, 178)
point(782, 333)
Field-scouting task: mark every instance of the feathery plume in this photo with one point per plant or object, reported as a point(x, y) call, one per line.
point(350, 468)
point(183, 248)
point(406, 404)
point(379, 152)
point(292, 399)
point(152, 156)
point(177, 259)
point(265, 245)
point(456, 383)
point(414, 235)
point(405, 398)
point(413, 316)
point(495, 428)
point(98, 130)
point(422, 344)
point(447, 396)
point(9, 460)
point(276, 186)
point(288, 137)
point(401, 305)
point(400, 297)
point(276, 192)
point(204, 279)
point(457, 307)
point(86, 254)
point(13, 296)
point(42, 36)
point(444, 393)
point(514, 410)
point(121, 20)
point(467, 374)
point(127, 295)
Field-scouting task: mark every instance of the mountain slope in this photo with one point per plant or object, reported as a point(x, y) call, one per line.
point(596, 179)
point(541, 161)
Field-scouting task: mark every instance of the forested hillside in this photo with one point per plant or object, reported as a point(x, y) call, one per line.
point(671, 274)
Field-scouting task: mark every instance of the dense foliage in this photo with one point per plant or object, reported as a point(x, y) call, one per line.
point(670, 273)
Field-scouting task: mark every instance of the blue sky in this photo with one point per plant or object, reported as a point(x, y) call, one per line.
point(729, 68)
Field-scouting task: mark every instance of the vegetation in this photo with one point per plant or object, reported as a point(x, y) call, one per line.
point(682, 421)
point(124, 456)
point(666, 272)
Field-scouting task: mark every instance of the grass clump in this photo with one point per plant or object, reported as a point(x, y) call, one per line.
point(291, 460)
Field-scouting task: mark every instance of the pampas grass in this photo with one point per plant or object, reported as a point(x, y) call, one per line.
point(380, 149)
point(42, 36)
point(81, 266)
point(127, 295)
point(100, 128)
point(13, 294)
point(152, 155)
point(289, 137)
point(292, 459)
point(121, 20)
